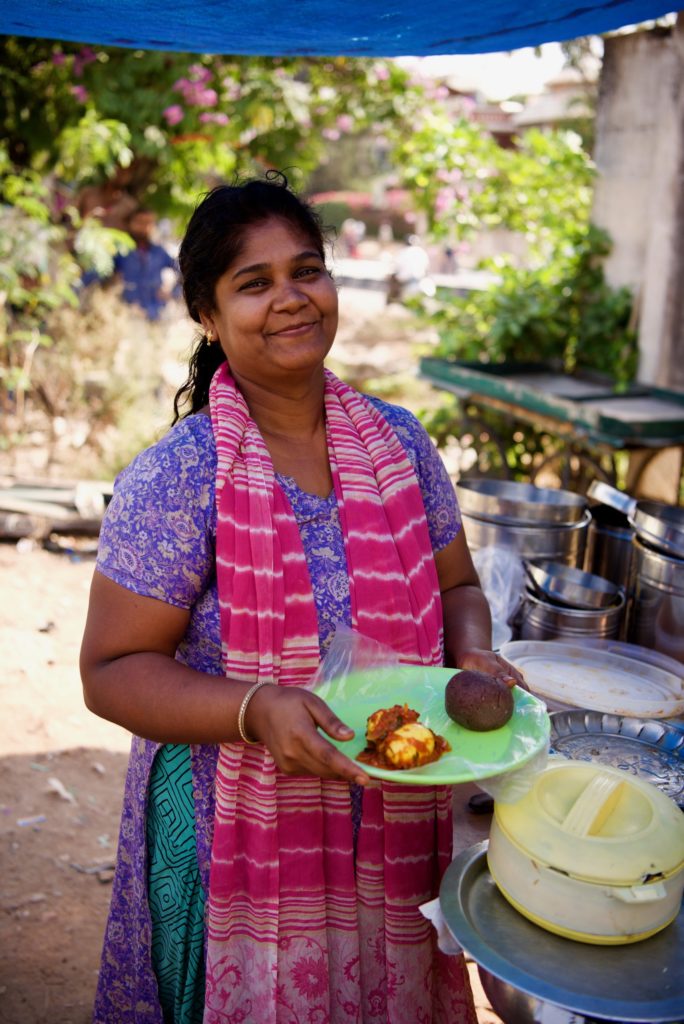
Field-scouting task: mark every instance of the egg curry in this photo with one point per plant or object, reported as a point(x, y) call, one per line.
point(396, 740)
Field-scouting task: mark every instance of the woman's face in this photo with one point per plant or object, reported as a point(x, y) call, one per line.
point(276, 306)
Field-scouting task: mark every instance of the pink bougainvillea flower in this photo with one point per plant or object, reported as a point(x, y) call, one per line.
point(195, 94)
point(208, 118)
point(80, 92)
point(173, 114)
point(85, 56)
point(58, 58)
point(330, 133)
point(345, 123)
point(199, 73)
point(206, 97)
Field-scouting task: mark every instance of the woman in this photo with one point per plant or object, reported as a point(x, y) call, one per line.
point(262, 877)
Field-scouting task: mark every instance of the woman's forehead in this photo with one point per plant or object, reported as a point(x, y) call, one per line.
point(275, 231)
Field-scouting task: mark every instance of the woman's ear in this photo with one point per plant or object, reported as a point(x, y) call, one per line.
point(208, 328)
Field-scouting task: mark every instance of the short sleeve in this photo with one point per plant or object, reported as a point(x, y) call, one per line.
point(157, 534)
point(439, 497)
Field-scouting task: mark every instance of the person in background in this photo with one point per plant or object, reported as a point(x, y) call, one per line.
point(148, 272)
point(411, 269)
point(110, 201)
point(262, 875)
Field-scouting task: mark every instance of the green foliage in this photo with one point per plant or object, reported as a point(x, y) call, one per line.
point(553, 307)
point(176, 123)
point(160, 126)
point(558, 306)
point(96, 246)
point(93, 146)
point(562, 313)
point(36, 275)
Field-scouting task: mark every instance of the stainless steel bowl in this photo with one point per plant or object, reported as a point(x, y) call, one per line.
point(571, 587)
point(655, 522)
point(517, 1007)
point(506, 501)
point(660, 525)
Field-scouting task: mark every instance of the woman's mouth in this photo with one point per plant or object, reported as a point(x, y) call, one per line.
point(293, 330)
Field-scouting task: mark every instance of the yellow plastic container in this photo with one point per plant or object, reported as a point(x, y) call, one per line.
point(591, 853)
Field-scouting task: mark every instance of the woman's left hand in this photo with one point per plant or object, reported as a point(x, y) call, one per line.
point(493, 665)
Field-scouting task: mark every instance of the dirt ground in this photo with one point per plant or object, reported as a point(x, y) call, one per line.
point(62, 769)
point(61, 781)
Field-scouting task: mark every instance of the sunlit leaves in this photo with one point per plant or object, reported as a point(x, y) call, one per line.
point(93, 146)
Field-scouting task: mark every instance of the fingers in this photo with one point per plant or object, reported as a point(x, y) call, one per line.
point(323, 759)
point(322, 753)
point(510, 674)
point(289, 721)
point(494, 665)
point(326, 719)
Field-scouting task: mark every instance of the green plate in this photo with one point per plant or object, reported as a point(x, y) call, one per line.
point(473, 755)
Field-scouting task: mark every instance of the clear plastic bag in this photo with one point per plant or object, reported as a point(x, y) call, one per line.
point(349, 652)
point(502, 577)
point(359, 676)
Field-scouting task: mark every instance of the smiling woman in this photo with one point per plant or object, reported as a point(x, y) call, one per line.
point(258, 863)
point(275, 317)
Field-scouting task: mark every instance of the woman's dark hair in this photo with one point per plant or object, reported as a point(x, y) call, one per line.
point(213, 240)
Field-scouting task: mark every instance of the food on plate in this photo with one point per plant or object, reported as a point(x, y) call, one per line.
point(395, 739)
point(478, 701)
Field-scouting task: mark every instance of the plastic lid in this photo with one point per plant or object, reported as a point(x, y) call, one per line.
point(597, 823)
point(582, 676)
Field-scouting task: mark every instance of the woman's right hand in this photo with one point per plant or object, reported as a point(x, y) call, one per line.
point(286, 719)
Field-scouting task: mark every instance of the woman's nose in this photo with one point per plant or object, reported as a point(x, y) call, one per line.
point(289, 297)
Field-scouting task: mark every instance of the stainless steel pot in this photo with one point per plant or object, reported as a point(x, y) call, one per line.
point(655, 522)
point(540, 619)
point(564, 542)
point(655, 613)
point(509, 502)
point(609, 545)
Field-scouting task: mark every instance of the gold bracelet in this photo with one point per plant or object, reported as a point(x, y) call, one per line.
point(243, 710)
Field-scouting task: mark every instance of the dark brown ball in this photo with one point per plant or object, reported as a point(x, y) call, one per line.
point(478, 701)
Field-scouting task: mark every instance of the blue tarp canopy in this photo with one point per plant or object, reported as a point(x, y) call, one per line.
point(322, 27)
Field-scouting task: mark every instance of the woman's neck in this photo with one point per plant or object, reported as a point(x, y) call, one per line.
point(292, 423)
point(287, 410)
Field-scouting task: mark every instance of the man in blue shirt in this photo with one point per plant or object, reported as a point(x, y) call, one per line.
point(144, 284)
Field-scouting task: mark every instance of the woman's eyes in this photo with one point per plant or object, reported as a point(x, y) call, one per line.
point(263, 282)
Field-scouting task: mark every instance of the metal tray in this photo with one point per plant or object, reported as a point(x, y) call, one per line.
point(654, 751)
point(642, 982)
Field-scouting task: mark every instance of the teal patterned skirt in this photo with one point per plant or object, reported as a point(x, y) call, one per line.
point(176, 896)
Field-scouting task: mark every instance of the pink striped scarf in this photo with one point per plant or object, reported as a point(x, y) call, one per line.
point(298, 930)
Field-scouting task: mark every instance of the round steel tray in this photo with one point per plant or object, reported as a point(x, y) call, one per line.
point(643, 981)
point(654, 751)
point(509, 502)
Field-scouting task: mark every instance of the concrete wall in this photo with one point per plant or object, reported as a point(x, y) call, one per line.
point(640, 192)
